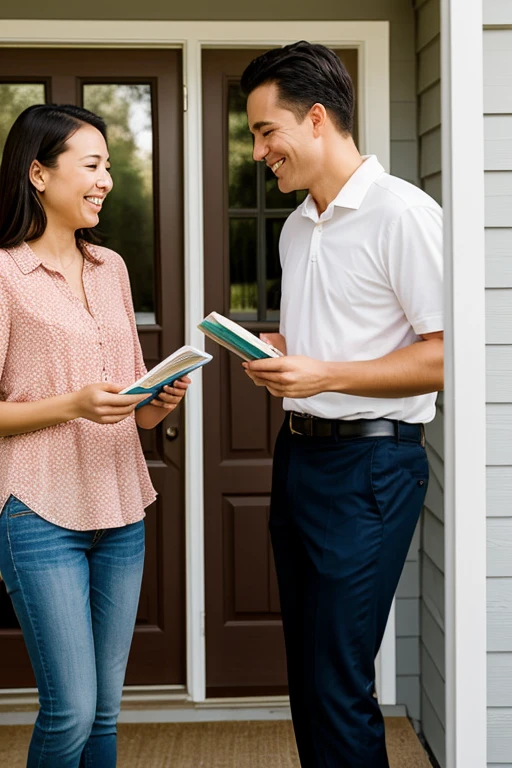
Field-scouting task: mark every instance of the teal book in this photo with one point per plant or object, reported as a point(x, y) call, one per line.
point(180, 363)
point(235, 338)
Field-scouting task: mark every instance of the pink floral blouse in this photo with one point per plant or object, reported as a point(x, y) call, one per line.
point(79, 475)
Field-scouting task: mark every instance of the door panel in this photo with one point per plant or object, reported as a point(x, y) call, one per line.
point(244, 213)
point(140, 95)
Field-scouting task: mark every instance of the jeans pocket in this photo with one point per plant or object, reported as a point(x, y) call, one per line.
point(16, 508)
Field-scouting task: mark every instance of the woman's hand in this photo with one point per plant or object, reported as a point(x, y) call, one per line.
point(172, 396)
point(102, 403)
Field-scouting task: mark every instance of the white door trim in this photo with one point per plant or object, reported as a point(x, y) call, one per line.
point(372, 40)
point(465, 423)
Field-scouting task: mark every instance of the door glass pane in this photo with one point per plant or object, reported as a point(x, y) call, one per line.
point(243, 269)
point(127, 220)
point(273, 276)
point(14, 98)
point(242, 168)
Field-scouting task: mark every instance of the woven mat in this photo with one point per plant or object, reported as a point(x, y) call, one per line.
point(261, 744)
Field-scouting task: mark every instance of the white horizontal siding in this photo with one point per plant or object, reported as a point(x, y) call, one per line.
point(429, 64)
point(433, 539)
point(498, 142)
point(429, 106)
point(432, 635)
point(431, 153)
point(499, 373)
point(499, 548)
point(498, 198)
point(499, 491)
point(432, 591)
point(428, 22)
point(499, 434)
point(499, 615)
point(433, 729)
point(498, 309)
point(499, 735)
point(497, 72)
point(499, 677)
point(497, 12)
point(498, 258)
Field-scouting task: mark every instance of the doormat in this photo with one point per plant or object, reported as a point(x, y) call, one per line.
point(255, 744)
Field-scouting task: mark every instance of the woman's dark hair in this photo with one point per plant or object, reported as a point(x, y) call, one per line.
point(305, 74)
point(39, 133)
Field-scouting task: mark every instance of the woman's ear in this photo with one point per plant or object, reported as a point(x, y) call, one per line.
point(37, 175)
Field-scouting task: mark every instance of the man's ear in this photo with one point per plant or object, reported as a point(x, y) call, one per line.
point(37, 176)
point(318, 116)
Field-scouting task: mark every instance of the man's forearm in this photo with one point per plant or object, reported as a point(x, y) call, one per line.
point(414, 370)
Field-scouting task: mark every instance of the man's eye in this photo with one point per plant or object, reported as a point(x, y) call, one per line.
point(267, 133)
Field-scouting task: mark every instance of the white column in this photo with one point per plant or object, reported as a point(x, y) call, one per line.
point(465, 428)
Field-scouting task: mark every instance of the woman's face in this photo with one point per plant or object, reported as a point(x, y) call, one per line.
point(73, 192)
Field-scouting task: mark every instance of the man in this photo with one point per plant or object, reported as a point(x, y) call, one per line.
point(361, 328)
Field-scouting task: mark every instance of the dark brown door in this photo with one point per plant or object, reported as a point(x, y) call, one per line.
point(139, 93)
point(244, 214)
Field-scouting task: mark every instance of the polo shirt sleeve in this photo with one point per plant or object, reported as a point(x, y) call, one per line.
point(140, 367)
point(5, 326)
point(415, 266)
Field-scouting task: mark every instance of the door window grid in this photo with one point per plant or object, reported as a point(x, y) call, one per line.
point(255, 272)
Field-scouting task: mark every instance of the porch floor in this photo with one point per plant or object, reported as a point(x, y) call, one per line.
point(216, 745)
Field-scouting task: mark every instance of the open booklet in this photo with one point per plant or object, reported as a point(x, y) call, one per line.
point(181, 362)
point(237, 339)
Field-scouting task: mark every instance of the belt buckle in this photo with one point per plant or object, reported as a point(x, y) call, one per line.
point(292, 430)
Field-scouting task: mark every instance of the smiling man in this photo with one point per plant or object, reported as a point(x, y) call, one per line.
point(361, 329)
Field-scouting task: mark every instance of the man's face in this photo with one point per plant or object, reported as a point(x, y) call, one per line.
point(286, 146)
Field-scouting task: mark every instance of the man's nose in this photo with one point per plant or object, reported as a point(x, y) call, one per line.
point(260, 150)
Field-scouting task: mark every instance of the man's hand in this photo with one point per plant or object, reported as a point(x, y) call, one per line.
point(292, 376)
point(276, 340)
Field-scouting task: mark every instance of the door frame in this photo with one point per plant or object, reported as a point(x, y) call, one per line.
point(371, 38)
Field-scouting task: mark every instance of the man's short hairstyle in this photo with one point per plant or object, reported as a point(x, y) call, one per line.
point(305, 74)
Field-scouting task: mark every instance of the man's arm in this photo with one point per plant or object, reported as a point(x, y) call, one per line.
point(413, 370)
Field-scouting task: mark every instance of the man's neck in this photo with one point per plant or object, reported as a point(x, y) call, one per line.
point(335, 175)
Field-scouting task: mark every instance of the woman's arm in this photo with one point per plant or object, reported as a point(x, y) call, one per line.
point(96, 402)
point(152, 414)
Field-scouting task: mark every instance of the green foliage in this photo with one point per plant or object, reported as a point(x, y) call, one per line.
point(14, 98)
point(127, 219)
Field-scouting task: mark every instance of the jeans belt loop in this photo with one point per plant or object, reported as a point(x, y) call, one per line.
point(397, 430)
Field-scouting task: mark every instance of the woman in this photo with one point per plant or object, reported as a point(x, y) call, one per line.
point(73, 480)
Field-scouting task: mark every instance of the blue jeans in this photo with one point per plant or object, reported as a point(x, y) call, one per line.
point(75, 594)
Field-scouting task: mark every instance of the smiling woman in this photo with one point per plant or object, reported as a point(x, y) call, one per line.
point(68, 346)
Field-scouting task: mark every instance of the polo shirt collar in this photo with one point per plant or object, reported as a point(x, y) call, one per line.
point(27, 261)
point(353, 192)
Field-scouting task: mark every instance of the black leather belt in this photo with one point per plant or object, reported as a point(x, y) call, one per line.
point(313, 426)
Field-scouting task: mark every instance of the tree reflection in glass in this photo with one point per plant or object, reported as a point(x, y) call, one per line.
point(127, 219)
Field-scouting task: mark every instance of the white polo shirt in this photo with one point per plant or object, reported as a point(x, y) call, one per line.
point(361, 280)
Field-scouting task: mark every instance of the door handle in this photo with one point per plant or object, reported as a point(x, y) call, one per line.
point(172, 433)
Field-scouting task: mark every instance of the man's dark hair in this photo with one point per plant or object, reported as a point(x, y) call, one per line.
point(305, 74)
point(39, 133)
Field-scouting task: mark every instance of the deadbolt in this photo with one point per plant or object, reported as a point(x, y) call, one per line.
point(172, 433)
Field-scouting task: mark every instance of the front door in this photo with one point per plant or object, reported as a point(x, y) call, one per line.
point(244, 214)
point(139, 93)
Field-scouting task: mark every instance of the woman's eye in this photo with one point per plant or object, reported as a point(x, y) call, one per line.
point(92, 166)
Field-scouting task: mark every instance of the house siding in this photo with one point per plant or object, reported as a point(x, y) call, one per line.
point(497, 45)
point(432, 638)
point(404, 163)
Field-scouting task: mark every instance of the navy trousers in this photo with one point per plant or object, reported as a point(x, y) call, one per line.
point(343, 513)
